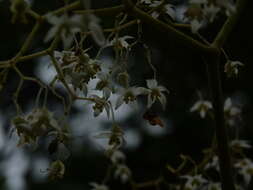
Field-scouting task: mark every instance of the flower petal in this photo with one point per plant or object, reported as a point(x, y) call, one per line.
point(152, 83)
point(119, 102)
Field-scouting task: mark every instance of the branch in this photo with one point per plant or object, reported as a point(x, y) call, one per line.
point(213, 63)
point(229, 25)
point(68, 7)
point(102, 12)
point(182, 38)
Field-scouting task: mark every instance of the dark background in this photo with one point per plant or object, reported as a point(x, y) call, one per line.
point(179, 69)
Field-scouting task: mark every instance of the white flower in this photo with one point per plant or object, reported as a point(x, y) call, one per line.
point(230, 109)
point(104, 84)
point(240, 144)
point(213, 163)
point(129, 96)
point(78, 69)
point(154, 4)
point(169, 9)
point(231, 68)
point(117, 157)
point(120, 42)
point(231, 112)
point(64, 26)
point(194, 182)
point(101, 103)
point(96, 186)
point(195, 25)
point(245, 167)
point(155, 93)
point(228, 5)
point(210, 12)
point(201, 106)
point(35, 124)
point(122, 172)
point(115, 137)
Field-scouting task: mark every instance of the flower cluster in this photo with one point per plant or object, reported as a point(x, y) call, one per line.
point(231, 112)
point(163, 8)
point(37, 123)
point(77, 68)
point(201, 12)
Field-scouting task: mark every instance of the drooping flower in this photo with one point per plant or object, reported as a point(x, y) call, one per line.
point(78, 69)
point(228, 5)
point(240, 144)
point(213, 163)
point(120, 42)
point(245, 168)
point(202, 107)
point(101, 103)
point(232, 68)
point(194, 182)
point(65, 27)
point(122, 172)
point(195, 25)
point(210, 12)
point(35, 124)
point(231, 109)
point(117, 157)
point(231, 112)
point(105, 84)
point(129, 96)
point(96, 30)
point(56, 170)
point(115, 138)
point(166, 8)
point(156, 92)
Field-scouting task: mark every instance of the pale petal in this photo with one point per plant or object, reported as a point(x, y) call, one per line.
point(51, 33)
point(155, 14)
point(170, 11)
point(119, 102)
point(152, 83)
point(140, 90)
point(196, 106)
point(162, 89)
point(208, 104)
point(195, 26)
point(97, 33)
point(150, 101)
point(163, 100)
point(67, 40)
point(202, 113)
point(227, 104)
point(107, 109)
point(106, 92)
